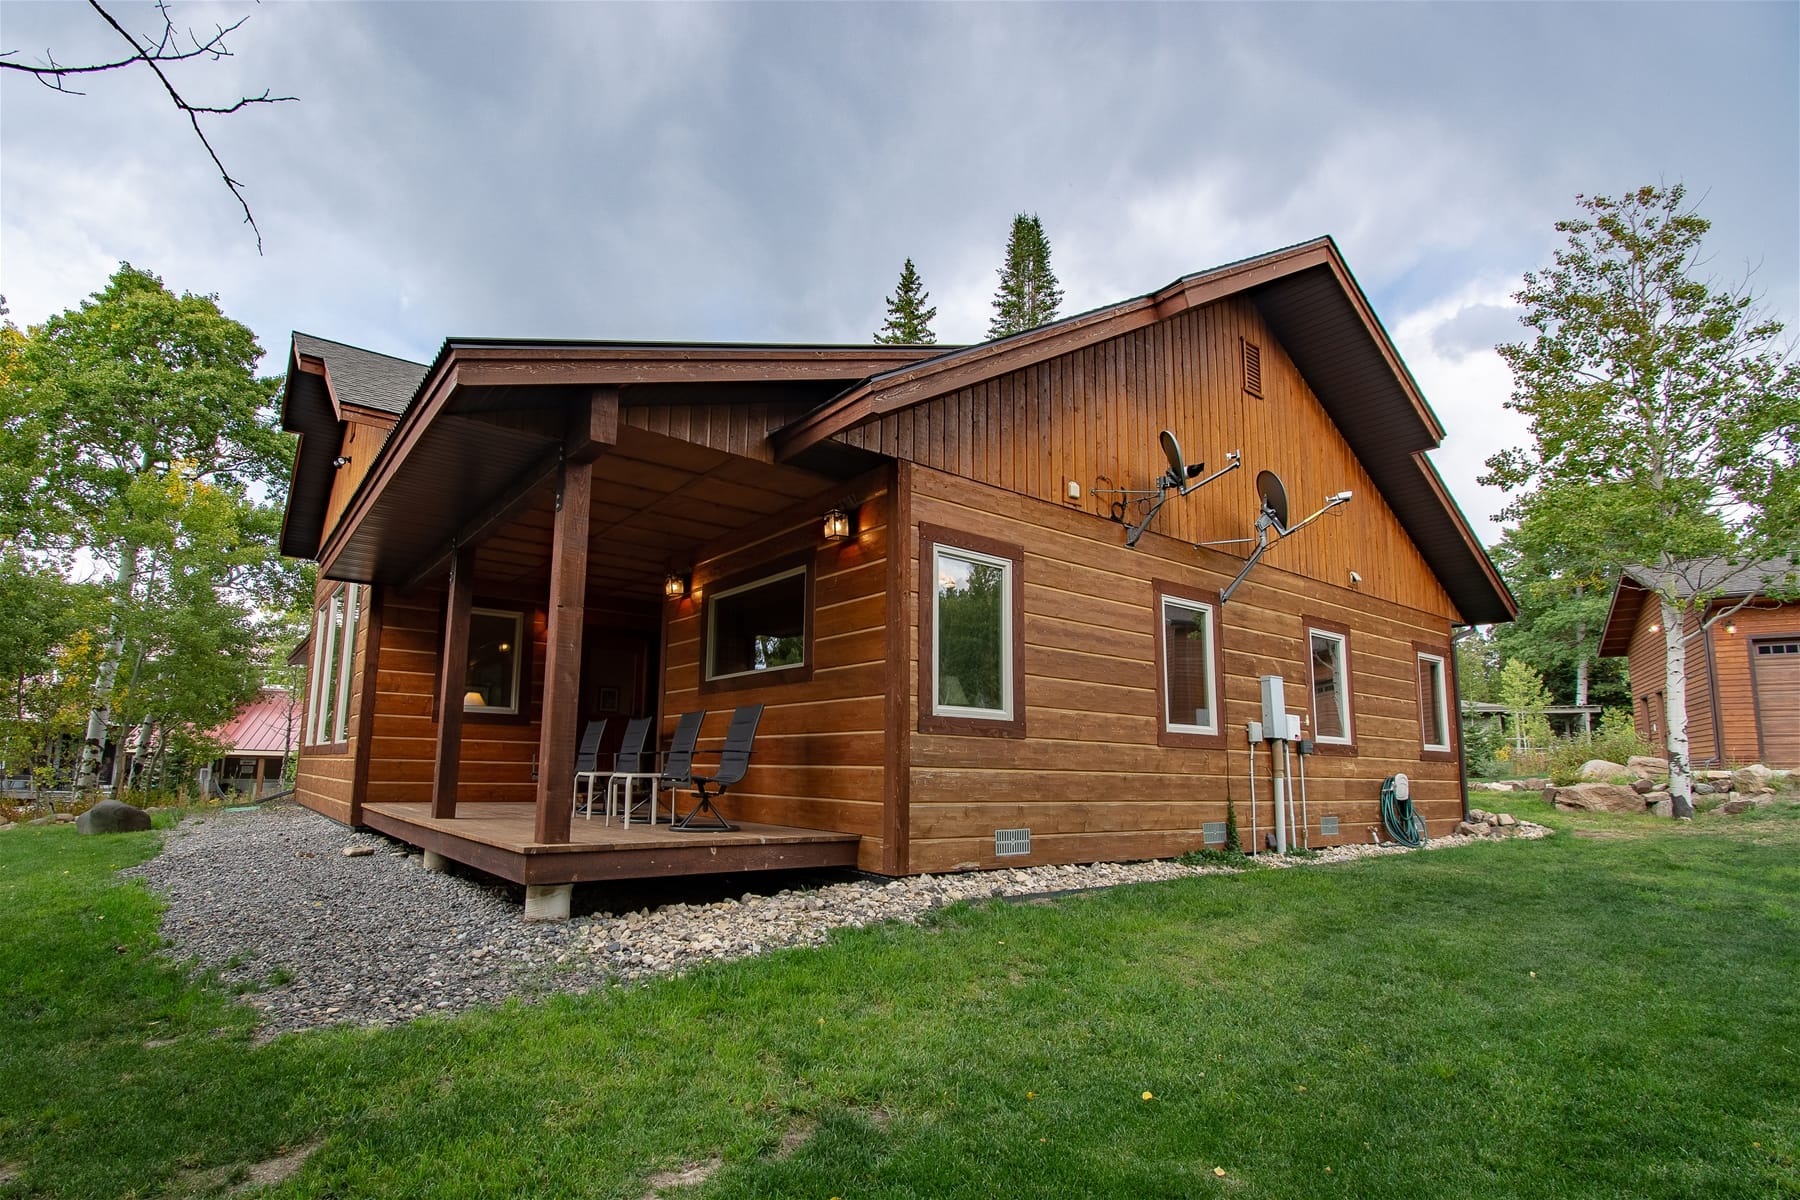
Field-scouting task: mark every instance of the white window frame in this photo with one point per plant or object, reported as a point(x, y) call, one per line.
point(712, 626)
point(334, 646)
point(1212, 683)
point(939, 551)
point(1341, 674)
point(346, 663)
point(319, 669)
point(1438, 700)
point(518, 662)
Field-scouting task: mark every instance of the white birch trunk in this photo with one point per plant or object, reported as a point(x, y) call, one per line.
point(1681, 772)
point(93, 749)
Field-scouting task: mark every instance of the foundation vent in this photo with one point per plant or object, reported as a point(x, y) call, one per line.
point(1011, 842)
point(1213, 832)
point(1328, 826)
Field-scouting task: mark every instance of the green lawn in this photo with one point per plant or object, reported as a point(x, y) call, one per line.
point(1583, 1016)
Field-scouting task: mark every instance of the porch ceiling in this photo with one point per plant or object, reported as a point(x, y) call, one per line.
point(484, 474)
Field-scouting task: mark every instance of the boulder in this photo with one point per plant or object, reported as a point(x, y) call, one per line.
point(1642, 786)
point(1506, 820)
point(112, 816)
point(1647, 766)
point(1702, 788)
point(1474, 828)
point(1661, 804)
point(1752, 778)
point(1737, 804)
point(1598, 770)
point(1595, 797)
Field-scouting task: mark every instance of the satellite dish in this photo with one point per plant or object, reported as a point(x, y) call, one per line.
point(1273, 495)
point(1172, 450)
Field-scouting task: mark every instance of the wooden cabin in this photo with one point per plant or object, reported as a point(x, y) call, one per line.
point(968, 666)
point(1743, 660)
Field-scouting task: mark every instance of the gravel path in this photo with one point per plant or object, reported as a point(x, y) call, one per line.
point(270, 898)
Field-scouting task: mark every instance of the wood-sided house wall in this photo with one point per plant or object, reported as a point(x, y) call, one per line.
point(1089, 770)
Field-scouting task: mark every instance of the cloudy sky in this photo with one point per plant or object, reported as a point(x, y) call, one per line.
point(760, 171)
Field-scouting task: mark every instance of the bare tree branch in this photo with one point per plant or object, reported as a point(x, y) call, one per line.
point(154, 54)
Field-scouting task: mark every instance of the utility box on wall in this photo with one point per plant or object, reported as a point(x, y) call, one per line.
point(1274, 706)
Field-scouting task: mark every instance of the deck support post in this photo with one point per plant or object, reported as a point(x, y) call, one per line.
point(593, 425)
point(455, 659)
point(548, 901)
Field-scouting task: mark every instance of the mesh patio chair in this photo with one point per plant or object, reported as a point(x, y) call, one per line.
point(678, 763)
point(630, 769)
point(734, 760)
point(587, 765)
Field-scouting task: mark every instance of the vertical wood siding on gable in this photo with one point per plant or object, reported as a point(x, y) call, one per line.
point(741, 429)
point(1089, 778)
point(1093, 415)
point(820, 749)
point(362, 441)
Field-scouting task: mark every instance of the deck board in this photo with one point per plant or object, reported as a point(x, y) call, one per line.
point(500, 838)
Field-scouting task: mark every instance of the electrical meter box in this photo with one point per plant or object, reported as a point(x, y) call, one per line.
point(1274, 706)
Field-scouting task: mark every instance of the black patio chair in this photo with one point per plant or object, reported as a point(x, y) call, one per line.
point(734, 760)
point(629, 770)
point(587, 764)
point(678, 763)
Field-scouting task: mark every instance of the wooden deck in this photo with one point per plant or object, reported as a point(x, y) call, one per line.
point(497, 838)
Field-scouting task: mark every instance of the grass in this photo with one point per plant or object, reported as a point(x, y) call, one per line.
point(1610, 1012)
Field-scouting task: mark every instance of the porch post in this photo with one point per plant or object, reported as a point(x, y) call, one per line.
point(593, 425)
point(562, 652)
point(451, 684)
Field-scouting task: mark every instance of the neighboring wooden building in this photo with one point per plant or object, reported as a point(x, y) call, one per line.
point(528, 535)
point(257, 743)
point(1743, 670)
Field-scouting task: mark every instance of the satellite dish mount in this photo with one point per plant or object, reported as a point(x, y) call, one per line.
point(1181, 478)
point(1273, 515)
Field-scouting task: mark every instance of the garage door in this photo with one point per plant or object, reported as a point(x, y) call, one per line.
point(1777, 668)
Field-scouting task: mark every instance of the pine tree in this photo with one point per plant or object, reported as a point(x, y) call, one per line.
point(1028, 295)
point(908, 319)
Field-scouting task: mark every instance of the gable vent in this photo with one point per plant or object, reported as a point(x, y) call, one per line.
point(1252, 367)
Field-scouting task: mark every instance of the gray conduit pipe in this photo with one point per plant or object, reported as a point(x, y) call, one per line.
point(1255, 846)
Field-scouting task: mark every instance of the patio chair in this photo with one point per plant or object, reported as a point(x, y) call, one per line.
point(587, 764)
point(678, 763)
point(734, 760)
point(629, 770)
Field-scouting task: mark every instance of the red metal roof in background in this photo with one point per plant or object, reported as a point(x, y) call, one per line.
point(261, 727)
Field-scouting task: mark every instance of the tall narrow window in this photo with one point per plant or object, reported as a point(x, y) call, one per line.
point(316, 681)
point(340, 729)
point(334, 641)
point(1329, 652)
point(969, 594)
point(972, 634)
point(1434, 703)
point(495, 654)
point(1190, 687)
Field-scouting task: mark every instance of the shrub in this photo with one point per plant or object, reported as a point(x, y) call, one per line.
point(1482, 743)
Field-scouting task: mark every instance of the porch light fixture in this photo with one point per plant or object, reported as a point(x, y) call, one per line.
point(1655, 627)
point(342, 460)
point(675, 585)
point(837, 525)
point(1731, 627)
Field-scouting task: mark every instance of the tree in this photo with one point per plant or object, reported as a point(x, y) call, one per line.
point(1028, 295)
point(1668, 404)
point(157, 54)
point(1521, 689)
point(908, 320)
point(153, 455)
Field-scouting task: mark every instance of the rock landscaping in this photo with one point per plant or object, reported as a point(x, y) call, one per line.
point(325, 925)
point(1607, 791)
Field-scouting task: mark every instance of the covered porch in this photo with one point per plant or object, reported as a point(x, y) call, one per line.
point(583, 493)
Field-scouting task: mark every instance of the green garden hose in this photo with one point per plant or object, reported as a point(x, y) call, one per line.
point(1398, 815)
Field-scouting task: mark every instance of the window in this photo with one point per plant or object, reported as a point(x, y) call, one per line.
point(492, 682)
point(333, 656)
point(1328, 652)
point(759, 627)
point(1188, 666)
point(1434, 703)
point(970, 595)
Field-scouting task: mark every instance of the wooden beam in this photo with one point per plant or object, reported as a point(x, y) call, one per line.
point(453, 677)
point(593, 425)
point(562, 652)
point(365, 714)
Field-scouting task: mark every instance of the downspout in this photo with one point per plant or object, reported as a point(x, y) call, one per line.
point(1457, 633)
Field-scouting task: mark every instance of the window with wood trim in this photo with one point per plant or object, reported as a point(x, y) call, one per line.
point(760, 627)
point(496, 657)
point(1252, 367)
point(333, 657)
point(1328, 673)
point(1188, 659)
point(1434, 703)
point(970, 595)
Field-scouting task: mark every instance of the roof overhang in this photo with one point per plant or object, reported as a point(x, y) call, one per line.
point(1622, 616)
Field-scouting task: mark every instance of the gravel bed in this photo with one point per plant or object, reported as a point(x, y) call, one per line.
point(270, 899)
